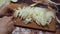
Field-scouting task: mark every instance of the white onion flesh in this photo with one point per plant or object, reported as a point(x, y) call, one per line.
point(40, 15)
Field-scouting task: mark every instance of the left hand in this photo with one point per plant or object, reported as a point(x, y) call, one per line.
point(3, 9)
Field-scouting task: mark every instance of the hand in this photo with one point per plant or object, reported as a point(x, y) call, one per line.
point(3, 8)
point(6, 25)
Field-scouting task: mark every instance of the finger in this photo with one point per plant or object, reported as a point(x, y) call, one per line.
point(11, 23)
point(11, 26)
point(6, 19)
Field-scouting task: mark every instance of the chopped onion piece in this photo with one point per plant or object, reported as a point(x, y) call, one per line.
point(40, 15)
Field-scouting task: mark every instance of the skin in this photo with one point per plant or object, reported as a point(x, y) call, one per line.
point(6, 23)
point(3, 9)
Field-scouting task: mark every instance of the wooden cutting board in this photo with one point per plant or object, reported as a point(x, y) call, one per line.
point(19, 22)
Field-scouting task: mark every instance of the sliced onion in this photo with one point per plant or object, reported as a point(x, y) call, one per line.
point(40, 15)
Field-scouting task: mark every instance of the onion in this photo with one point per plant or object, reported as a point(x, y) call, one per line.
point(40, 15)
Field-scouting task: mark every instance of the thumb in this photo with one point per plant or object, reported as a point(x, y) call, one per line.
point(6, 19)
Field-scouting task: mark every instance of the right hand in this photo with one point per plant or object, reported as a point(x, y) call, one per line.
point(6, 25)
